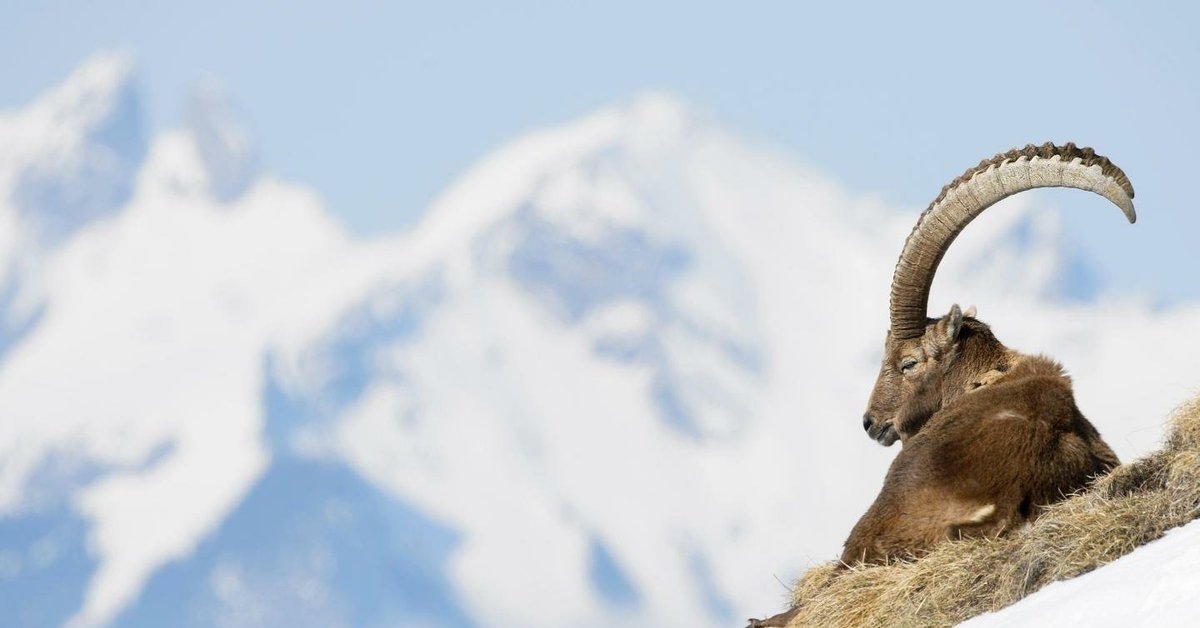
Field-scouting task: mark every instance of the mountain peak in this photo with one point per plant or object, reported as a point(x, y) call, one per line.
point(91, 92)
point(661, 115)
point(75, 150)
point(224, 146)
point(649, 126)
point(211, 155)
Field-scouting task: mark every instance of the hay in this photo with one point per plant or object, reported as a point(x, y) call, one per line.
point(1133, 505)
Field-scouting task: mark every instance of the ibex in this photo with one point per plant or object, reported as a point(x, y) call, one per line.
point(990, 436)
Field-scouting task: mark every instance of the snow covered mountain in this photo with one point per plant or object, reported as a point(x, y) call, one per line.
point(613, 378)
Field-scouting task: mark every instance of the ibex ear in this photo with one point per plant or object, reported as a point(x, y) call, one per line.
point(951, 324)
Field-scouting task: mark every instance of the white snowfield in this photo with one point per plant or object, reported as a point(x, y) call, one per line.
point(1156, 586)
point(624, 364)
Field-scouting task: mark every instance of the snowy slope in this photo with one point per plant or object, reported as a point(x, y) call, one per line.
point(612, 378)
point(1155, 586)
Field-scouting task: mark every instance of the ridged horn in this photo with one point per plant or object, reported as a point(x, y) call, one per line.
point(979, 188)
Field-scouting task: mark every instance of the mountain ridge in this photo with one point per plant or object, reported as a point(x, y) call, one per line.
point(620, 361)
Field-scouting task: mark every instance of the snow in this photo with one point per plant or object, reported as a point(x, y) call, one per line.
point(145, 302)
point(614, 374)
point(1153, 586)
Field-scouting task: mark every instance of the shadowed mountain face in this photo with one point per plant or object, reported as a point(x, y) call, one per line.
point(44, 566)
point(314, 545)
point(611, 379)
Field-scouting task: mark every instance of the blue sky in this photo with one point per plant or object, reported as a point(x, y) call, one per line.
point(380, 105)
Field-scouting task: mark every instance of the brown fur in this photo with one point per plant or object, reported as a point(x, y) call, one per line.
point(990, 437)
point(1132, 505)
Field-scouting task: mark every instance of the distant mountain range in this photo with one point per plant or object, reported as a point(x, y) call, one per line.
point(612, 378)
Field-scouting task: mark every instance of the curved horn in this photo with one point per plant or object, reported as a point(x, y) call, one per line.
point(979, 188)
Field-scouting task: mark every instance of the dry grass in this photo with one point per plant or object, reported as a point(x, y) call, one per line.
point(1131, 506)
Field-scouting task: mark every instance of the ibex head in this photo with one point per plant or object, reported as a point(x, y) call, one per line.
point(929, 362)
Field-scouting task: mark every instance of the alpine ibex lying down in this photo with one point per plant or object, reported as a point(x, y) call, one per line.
point(990, 435)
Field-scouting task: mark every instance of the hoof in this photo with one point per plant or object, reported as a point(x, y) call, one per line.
point(776, 621)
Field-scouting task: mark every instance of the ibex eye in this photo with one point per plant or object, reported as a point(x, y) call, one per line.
point(907, 365)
